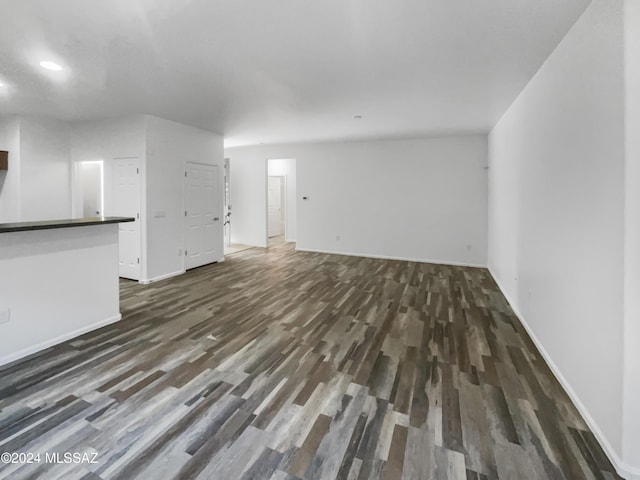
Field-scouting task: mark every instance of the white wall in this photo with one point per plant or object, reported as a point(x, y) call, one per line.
point(556, 203)
point(10, 179)
point(163, 148)
point(422, 199)
point(105, 140)
point(45, 169)
point(37, 185)
point(631, 411)
point(45, 155)
point(169, 146)
point(286, 167)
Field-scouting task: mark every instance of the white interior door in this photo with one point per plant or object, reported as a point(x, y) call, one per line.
point(126, 203)
point(202, 211)
point(275, 218)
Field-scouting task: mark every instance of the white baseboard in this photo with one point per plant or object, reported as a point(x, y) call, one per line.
point(386, 257)
point(147, 281)
point(625, 471)
point(12, 357)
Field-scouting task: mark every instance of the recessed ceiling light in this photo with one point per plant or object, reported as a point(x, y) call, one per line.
point(50, 66)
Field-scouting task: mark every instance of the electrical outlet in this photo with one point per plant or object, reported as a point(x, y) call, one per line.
point(5, 315)
point(338, 238)
point(179, 252)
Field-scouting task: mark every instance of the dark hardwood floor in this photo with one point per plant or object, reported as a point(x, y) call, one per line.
point(283, 365)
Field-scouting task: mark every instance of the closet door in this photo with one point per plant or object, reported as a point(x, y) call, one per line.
point(126, 203)
point(202, 212)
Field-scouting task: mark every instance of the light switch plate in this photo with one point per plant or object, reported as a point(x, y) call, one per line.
point(5, 315)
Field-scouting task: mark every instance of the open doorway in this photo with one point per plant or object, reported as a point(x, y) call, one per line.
point(227, 203)
point(92, 188)
point(281, 201)
point(229, 247)
point(276, 197)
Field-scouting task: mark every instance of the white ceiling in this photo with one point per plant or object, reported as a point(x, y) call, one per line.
point(279, 70)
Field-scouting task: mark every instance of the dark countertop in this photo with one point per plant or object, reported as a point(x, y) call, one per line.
point(69, 222)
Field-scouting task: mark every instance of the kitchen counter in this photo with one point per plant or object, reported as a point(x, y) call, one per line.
point(65, 223)
point(58, 279)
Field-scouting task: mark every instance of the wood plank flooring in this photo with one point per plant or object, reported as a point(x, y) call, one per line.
point(281, 365)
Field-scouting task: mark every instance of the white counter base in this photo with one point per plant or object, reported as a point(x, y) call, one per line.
point(57, 284)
